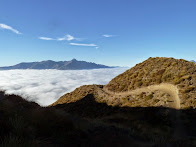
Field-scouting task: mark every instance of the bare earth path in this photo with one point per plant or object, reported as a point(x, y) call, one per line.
point(172, 90)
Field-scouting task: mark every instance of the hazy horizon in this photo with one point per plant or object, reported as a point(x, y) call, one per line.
point(131, 65)
point(56, 61)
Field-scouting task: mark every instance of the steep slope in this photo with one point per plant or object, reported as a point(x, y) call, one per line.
point(26, 123)
point(154, 71)
point(88, 123)
point(163, 82)
point(60, 65)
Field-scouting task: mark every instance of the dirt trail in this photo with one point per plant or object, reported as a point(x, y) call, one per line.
point(174, 100)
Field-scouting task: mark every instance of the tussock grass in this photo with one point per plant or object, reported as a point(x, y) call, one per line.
point(158, 70)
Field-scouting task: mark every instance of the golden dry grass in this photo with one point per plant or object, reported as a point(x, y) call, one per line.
point(157, 70)
point(153, 71)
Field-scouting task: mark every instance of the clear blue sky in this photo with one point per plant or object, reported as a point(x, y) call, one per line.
point(111, 32)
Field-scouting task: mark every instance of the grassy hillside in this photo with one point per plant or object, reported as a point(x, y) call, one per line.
point(76, 95)
point(160, 70)
point(154, 71)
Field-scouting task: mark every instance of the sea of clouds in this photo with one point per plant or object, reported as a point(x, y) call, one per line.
point(46, 86)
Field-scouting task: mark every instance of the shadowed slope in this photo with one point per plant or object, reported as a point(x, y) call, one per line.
point(145, 121)
point(24, 123)
point(88, 123)
point(84, 122)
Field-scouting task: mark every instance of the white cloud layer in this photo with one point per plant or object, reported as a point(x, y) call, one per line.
point(80, 44)
point(46, 86)
point(6, 27)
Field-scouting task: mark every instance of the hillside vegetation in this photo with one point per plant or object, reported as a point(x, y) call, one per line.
point(160, 70)
point(157, 81)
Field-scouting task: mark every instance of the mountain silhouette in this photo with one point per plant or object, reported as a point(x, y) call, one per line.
point(60, 65)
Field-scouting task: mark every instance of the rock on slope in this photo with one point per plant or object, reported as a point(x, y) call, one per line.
point(131, 88)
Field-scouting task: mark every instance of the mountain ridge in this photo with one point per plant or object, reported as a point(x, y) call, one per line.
point(126, 116)
point(155, 82)
point(59, 65)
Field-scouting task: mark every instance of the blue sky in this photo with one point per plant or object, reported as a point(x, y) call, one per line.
point(111, 32)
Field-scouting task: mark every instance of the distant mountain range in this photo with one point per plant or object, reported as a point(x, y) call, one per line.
point(60, 65)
